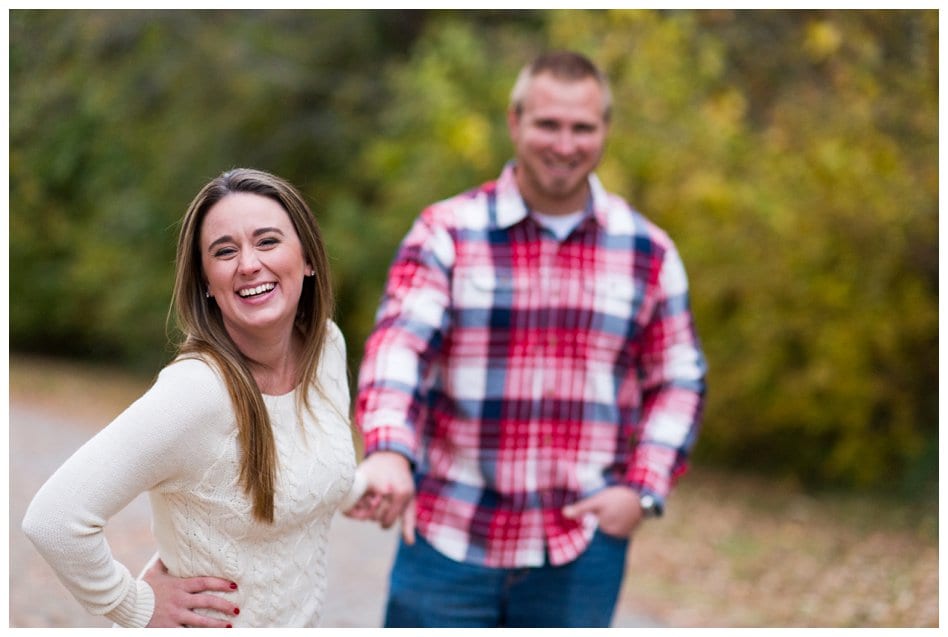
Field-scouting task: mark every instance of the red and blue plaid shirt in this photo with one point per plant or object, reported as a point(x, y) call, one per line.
point(520, 373)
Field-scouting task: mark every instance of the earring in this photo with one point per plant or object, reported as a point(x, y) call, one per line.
point(207, 293)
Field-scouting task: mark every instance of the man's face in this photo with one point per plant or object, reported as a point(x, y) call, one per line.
point(558, 140)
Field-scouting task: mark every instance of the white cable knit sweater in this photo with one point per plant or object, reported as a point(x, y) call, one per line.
point(179, 443)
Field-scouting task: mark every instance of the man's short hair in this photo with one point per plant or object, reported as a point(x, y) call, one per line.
point(563, 65)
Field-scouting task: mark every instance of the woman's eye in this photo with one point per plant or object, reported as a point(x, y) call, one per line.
point(224, 252)
point(269, 242)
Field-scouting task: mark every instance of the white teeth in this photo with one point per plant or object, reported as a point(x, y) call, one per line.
point(260, 289)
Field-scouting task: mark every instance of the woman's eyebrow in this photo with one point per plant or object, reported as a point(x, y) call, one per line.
point(259, 231)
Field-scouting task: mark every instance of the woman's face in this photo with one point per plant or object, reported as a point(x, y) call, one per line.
point(254, 266)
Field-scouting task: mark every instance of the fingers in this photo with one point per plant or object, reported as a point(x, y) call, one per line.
point(177, 599)
point(616, 509)
point(196, 620)
point(389, 494)
point(580, 508)
point(386, 510)
point(408, 524)
point(201, 584)
point(389, 488)
point(213, 602)
point(391, 509)
point(364, 508)
point(200, 621)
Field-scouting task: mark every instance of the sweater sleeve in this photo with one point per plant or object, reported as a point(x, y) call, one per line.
point(160, 437)
point(334, 379)
point(334, 372)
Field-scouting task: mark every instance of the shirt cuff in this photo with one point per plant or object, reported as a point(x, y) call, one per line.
point(651, 469)
point(359, 485)
point(398, 439)
point(136, 609)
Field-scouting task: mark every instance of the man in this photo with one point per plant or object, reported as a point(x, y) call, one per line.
point(533, 384)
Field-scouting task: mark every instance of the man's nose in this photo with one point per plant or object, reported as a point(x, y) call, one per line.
point(564, 142)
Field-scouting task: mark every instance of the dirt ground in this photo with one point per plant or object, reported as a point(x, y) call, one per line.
point(731, 551)
point(54, 410)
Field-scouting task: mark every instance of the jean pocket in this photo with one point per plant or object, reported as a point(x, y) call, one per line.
point(622, 539)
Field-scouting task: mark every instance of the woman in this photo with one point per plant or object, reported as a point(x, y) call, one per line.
point(243, 442)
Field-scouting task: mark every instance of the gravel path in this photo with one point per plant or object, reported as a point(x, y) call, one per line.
point(360, 553)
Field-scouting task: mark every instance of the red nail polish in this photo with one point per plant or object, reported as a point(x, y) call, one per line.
point(233, 586)
point(229, 626)
point(236, 611)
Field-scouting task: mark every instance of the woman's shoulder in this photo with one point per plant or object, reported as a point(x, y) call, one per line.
point(190, 367)
point(333, 368)
point(334, 336)
point(334, 347)
point(192, 376)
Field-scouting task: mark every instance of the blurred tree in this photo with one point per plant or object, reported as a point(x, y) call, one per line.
point(801, 193)
point(119, 117)
point(791, 154)
point(810, 237)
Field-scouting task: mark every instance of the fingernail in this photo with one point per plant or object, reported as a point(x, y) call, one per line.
point(233, 586)
point(229, 626)
point(236, 611)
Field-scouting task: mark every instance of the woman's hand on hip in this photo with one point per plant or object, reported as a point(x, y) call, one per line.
point(176, 599)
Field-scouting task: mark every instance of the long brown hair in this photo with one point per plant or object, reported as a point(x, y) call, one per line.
point(205, 337)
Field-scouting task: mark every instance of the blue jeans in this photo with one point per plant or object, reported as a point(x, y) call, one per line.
point(429, 590)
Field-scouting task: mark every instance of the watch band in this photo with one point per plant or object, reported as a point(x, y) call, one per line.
point(651, 508)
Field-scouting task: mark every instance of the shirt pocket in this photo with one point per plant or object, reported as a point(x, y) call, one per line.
point(616, 308)
point(614, 296)
point(486, 288)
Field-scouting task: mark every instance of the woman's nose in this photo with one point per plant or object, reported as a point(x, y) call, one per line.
point(248, 261)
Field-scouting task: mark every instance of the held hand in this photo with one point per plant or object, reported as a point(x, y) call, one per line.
point(176, 598)
point(617, 509)
point(389, 494)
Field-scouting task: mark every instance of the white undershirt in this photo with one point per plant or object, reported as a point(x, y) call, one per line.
point(559, 225)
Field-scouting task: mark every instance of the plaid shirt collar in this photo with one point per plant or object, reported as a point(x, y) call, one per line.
point(512, 209)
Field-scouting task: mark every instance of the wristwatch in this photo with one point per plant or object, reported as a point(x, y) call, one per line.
point(650, 506)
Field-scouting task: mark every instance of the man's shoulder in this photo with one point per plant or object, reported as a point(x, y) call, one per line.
point(467, 208)
point(623, 219)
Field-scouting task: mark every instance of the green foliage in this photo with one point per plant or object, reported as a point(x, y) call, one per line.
point(792, 155)
point(810, 237)
point(118, 118)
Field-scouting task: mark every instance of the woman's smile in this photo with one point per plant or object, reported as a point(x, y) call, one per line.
point(257, 291)
point(253, 261)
